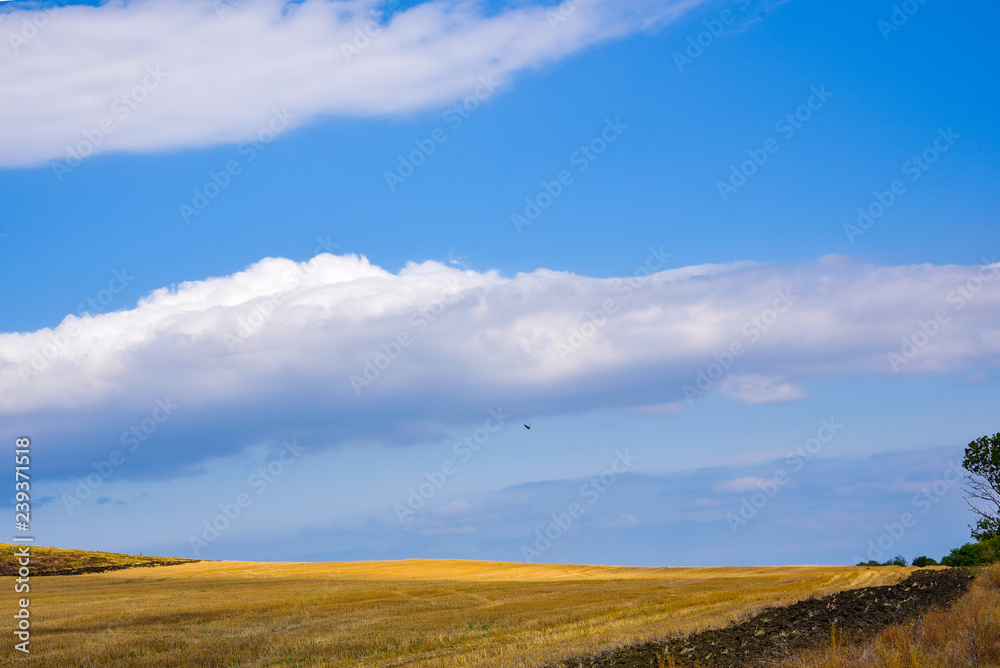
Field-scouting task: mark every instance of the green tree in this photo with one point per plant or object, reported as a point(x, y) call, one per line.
point(975, 554)
point(982, 490)
point(924, 561)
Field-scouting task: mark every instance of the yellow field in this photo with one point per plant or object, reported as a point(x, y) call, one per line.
point(404, 613)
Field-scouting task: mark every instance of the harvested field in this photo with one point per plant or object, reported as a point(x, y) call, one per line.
point(420, 613)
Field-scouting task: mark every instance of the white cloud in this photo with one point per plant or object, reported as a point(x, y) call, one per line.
point(626, 520)
point(336, 350)
point(456, 507)
point(223, 73)
point(740, 485)
point(756, 388)
point(668, 408)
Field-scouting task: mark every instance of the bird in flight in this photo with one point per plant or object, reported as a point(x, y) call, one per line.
point(527, 426)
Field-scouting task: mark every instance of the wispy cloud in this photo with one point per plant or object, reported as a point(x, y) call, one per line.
point(805, 523)
point(757, 388)
point(740, 485)
point(225, 66)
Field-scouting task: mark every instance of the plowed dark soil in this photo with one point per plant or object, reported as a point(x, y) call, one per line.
point(776, 633)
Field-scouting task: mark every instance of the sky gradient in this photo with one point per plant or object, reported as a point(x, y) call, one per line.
point(287, 279)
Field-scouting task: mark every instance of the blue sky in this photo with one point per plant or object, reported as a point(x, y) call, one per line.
point(241, 246)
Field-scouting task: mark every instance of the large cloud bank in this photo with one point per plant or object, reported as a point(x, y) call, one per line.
point(156, 74)
point(336, 350)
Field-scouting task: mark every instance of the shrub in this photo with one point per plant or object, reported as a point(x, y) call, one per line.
point(898, 560)
point(982, 553)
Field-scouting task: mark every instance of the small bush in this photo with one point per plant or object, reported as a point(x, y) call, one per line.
point(983, 553)
point(898, 560)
